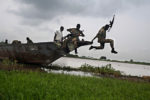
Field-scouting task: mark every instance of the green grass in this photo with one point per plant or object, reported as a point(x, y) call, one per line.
point(19, 85)
point(10, 63)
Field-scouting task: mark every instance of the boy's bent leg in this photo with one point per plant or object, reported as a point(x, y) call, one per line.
point(111, 45)
point(110, 41)
point(98, 47)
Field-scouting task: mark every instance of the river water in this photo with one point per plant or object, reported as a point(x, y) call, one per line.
point(125, 68)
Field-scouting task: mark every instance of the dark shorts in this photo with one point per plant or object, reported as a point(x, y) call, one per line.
point(102, 44)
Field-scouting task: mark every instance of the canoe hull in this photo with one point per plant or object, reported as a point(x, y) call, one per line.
point(36, 53)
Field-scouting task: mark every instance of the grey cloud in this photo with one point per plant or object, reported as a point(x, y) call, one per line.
point(49, 9)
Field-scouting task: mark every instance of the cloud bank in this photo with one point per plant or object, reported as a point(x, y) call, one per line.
point(38, 11)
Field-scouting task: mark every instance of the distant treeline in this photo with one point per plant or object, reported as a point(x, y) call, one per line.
point(103, 58)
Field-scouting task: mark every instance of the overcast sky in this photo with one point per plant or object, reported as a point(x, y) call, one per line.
point(39, 19)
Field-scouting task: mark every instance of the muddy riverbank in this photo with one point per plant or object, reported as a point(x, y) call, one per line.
point(71, 71)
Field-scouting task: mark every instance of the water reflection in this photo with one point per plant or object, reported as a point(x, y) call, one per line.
point(78, 73)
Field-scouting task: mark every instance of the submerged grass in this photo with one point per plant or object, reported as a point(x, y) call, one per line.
point(19, 85)
point(104, 70)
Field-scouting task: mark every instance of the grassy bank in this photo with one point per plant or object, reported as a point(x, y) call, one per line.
point(19, 85)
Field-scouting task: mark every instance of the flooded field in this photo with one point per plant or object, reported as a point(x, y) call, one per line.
point(127, 69)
